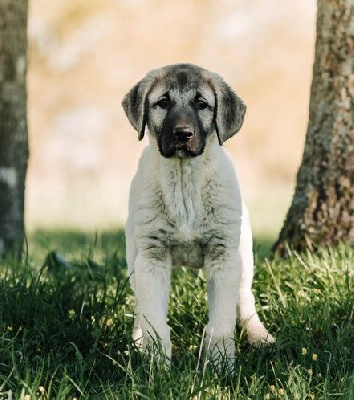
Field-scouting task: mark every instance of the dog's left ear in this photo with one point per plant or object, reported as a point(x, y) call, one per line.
point(135, 105)
point(230, 110)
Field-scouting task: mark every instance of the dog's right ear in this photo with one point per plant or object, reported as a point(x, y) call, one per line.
point(135, 105)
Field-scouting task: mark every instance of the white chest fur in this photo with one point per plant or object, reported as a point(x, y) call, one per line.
point(181, 183)
point(188, 198)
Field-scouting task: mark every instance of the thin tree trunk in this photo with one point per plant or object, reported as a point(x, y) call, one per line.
point(13, 123)
point(322, 209)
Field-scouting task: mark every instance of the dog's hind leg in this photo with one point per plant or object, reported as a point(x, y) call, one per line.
point(131, 253)
point(248, 317)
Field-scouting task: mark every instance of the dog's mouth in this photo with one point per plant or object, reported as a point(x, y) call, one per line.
point(180, 150)
point(181, 146)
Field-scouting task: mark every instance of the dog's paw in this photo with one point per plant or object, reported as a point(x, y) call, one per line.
point(257, 334)
point(259, 339)
point(157, 348)
point(220, 352)
point(137, 337)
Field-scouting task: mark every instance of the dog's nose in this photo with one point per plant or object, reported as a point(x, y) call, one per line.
point(183, 133)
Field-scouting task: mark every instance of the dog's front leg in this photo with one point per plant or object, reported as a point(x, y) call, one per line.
point(152, 289)
point(223, 275)
point(248, 316)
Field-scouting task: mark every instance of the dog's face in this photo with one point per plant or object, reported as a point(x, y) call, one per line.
point(181, 114)
point(183, 106)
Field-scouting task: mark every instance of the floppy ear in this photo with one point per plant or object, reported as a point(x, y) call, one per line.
point(135, 105)
point(230, 110)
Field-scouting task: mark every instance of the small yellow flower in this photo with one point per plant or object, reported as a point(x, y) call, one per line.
point(41, 389)
point(267, 396)
point(26, 397)
point(304, 351)
point(311, 396)
point(314, 357)
point(281, 392)
point(272, 388)
point(310, 372)
point(9, 328)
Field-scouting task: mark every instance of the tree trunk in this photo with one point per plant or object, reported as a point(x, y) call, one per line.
point(322, 209)
point(13, 123)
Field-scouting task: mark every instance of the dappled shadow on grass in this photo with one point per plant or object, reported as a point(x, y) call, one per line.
point(65, 317)
point(65, 325)
point(76, 243)
point(61, 323)
point(262, 247)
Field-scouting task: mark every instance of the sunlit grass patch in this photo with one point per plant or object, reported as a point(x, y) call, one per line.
point(66, 316)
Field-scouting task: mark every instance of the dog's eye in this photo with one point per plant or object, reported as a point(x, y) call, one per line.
point(163, 103)
point(201, 104)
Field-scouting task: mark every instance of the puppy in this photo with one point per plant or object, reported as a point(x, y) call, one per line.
point(185, 206)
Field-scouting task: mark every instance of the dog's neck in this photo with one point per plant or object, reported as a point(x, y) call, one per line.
point(182, 181)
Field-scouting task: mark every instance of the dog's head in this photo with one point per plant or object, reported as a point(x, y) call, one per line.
point(183, 106)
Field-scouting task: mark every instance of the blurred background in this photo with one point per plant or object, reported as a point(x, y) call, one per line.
point(84, 55)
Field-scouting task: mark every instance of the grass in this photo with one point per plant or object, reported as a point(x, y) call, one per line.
point(65, 328)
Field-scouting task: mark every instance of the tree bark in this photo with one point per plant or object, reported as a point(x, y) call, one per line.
point(322, 209)
point(13, 123)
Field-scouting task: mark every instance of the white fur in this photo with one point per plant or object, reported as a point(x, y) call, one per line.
point(183, 210)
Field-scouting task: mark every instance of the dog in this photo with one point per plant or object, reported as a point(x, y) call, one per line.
point(185, 206)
